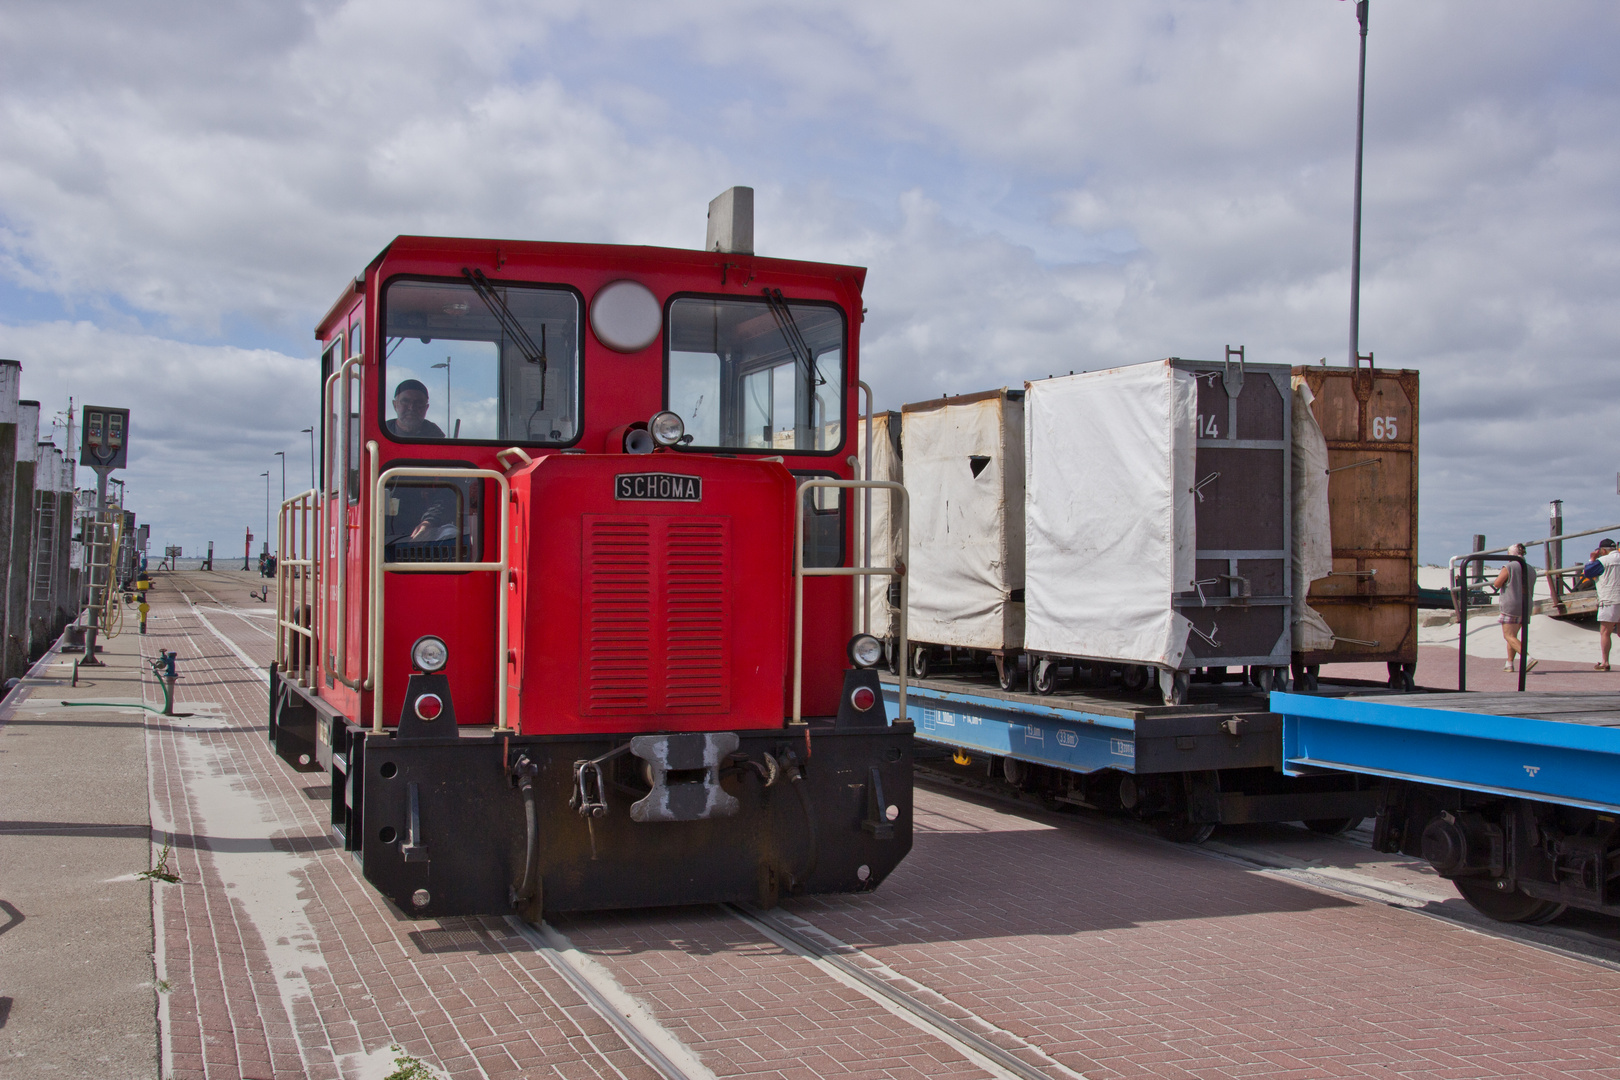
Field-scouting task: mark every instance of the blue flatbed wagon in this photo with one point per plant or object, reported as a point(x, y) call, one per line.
point(1515, 797)
point(1217, 759)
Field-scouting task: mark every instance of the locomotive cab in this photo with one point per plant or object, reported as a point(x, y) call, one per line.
point(568, 618)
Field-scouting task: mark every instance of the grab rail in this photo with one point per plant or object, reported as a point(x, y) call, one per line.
point(379, 503)
point(800, 572)
point(297, 525)
point(1460, 596)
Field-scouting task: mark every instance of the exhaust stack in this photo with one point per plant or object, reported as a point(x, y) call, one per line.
point(731, 222)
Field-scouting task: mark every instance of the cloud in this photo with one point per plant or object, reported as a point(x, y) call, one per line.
point(1036, 187)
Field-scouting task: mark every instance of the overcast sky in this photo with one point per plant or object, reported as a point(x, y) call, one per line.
point(1036, 187)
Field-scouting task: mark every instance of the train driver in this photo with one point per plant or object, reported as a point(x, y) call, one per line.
point(424, 511)
point(410, 410)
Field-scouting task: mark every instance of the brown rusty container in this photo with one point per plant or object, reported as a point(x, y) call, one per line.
point(1369, 417)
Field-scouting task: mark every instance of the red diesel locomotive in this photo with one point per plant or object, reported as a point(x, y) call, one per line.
point(568, 620)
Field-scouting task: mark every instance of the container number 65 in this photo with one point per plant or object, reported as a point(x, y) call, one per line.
point(1383, 427)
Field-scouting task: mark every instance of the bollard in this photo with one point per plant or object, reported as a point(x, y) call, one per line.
point(163, 668)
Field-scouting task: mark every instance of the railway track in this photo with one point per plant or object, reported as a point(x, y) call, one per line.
point(899, 978)
point(1576, 935)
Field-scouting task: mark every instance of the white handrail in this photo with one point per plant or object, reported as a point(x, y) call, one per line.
point(379, 568)
point(800, 572)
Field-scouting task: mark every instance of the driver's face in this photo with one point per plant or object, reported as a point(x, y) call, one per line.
point(411, 408)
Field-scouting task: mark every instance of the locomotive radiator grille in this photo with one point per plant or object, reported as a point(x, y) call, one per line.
point(618, 616)
point(696, 630)
point(657, 615)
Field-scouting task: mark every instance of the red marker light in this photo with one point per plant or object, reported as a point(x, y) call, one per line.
point(429, 706)
point(863, 698)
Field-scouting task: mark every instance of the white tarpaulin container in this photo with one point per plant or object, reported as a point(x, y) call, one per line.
point(1313, 532)
point(964, 461)
point(1109, 513)
point(884, 617)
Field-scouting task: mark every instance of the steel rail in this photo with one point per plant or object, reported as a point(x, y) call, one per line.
point(545, 941)
point(999, 1062)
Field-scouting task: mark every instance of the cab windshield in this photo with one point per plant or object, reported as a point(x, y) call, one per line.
point(474, 361)
point(764, 374)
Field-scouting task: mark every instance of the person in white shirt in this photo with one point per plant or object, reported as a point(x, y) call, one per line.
point(1605, 570)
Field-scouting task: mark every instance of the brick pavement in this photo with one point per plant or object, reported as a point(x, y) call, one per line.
point(467, 996)
point(1117, 955)
point(1122, 956)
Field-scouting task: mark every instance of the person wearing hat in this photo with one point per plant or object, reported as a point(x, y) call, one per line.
point(1605, 570)
point(410, 411)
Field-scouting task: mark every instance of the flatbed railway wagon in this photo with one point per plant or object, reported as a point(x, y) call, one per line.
point(568, 621)
point(1513, 797)
point(1215, 759)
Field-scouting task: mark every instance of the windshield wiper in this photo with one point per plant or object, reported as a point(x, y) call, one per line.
point(512, 327)
point(789, 326)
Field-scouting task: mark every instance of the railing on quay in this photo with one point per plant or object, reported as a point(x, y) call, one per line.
point(1459, 593)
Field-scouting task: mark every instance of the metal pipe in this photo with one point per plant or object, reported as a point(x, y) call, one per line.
point(1355, 227)
point(341, 520)
point(1460, 598)
point(866, 560)
point(1557, 537)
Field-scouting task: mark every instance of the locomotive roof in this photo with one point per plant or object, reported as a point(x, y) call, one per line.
point(493, 254)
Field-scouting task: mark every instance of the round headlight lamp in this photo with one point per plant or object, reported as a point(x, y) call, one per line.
point(667, 428)
point(429, 654)
point(865, 651)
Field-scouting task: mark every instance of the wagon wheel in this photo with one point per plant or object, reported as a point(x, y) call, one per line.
point(1135, 677)
point(1177, 828)
point(1508, 906)
point(1174, 685)
point(1265, 678)
point(1337, 826)
point(1006, 670)
point(1043, 676)
point(919, 661)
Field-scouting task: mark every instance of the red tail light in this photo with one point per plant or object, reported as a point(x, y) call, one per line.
point(863, 698)
point(429, 706)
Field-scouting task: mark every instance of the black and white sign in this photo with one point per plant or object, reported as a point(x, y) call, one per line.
point(660, 486)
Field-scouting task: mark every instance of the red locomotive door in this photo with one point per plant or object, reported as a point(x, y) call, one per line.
point(343, 550)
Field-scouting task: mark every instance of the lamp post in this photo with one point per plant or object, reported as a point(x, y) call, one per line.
point(266, 475)
point(310, 431)
point(446, 366)
point(282, 454)
point(1355, 228)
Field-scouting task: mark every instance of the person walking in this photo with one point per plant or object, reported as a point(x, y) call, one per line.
point(1605, 570)
point(1513, 589)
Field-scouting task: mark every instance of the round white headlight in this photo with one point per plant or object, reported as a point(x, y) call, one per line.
point(626, 316)
point(865, 651)
point(429, 654)
point(667, 428)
